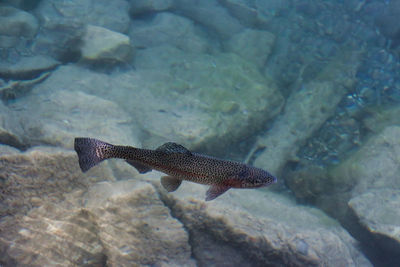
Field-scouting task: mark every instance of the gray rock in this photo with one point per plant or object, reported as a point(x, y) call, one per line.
point(10, 130)
point(23, 4)
point(210, 14)
point(378, 211)
point(197, 100)
point(307, 108)
point(370, 171)
point(168, 29)
point(252, 45)
point(240, 9)
point(101, 45)
point(111, 15)
point(221, 92)
point(63, 25)
point(305, 112)
point(18, 23)
point(55, 117)
point(129, 228)
point(375, 166)
point(256, 228)
point(138, 7)
point(39, 175)
point(386, 20)
point(27, 67)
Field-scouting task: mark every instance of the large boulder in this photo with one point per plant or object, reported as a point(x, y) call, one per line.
point(121, 224)
point(378, 211)
point(40, 175)
point(57, 115)
point(360, 192)
point(306, 109)
point(198, 100)
point(255, 228)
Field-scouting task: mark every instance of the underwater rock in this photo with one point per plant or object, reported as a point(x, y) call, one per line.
point(110, 15)
point(40, 175)
point(22, 4)
point(387, 21)
point(378, 211)
point(168, 29)
point(210, 14)
point(128, 226)
point(252, 45)
point(369, 171)
point(197, 100)
point(55, 117)
point(240, 9)
point(381, 117)
point(18, 23)
point(63, 25)
point(304, 113)
point(376, 165)
point(9, 128)
point(306, 109)
point(258, 228)
point(27, 68)
point(196, 96)
point(101, 45)
point(140, 7)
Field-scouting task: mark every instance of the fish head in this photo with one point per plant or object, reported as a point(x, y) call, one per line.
point(253, 177)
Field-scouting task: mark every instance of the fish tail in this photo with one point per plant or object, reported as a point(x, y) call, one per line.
point(91, 151)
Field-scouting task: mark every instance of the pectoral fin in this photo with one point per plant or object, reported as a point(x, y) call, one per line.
point(215, 190)
point(140, 167)
point(170, 183)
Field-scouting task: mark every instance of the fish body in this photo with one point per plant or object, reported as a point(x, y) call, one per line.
point(179, 163)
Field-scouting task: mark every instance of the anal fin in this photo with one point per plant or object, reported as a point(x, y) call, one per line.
point(139, 166)
point(170, 183)
point(215, 191)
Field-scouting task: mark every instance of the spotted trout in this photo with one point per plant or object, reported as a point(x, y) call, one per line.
point(179, 163)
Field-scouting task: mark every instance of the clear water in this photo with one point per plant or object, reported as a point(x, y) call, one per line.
point(307, 90)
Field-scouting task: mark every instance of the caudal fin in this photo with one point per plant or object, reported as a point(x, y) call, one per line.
point(91, 151)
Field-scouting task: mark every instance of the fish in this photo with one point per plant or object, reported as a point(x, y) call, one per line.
point(178, 163)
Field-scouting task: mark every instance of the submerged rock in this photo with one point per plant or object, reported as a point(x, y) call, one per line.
point(27, 67)
point(18, 23)
point(140, 7)
point(193, 99)
point(128, 226)
point(306, 109)
point(101, 45)
point(40, 175)
point(168, 29)
point(255, 228)
point(252, 45)
point(10, 129)
point(304, 113)
point(210, 14)
point(63, 25)
point(378, 211)
point(111, 15)
point(55, 117)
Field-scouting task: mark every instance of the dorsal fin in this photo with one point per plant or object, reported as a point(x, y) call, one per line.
point(171, 147)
